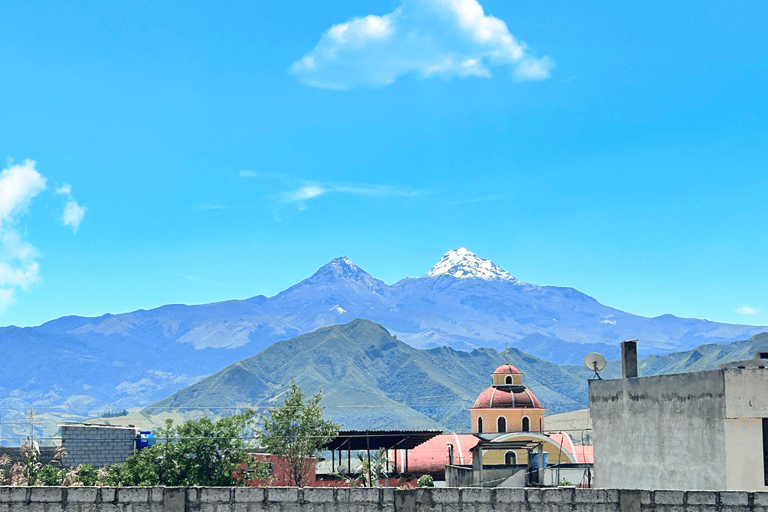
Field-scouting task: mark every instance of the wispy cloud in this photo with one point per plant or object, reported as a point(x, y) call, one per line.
point(745, 310)
point(429, 38)
point(312, 190)
point(19, 268)
point(73, 213)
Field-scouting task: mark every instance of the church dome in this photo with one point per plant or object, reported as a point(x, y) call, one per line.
point(507, 369)
point(499, 398)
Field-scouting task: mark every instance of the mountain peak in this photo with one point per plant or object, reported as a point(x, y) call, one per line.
point(461, 263)
point(341, 266)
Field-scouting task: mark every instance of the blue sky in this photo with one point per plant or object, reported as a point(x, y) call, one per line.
point(180, 152)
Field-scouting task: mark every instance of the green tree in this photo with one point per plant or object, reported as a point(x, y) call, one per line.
point(199, 452)
point(296, 432)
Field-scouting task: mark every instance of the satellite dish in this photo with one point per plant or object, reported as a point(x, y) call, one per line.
point(595, 362)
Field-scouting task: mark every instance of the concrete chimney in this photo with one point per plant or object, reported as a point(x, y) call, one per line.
point(629, 359)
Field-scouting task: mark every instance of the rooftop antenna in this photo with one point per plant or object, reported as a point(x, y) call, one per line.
point(595, 362)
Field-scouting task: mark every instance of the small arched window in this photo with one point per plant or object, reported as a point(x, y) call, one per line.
point(510, 458)
point(526, 424)
point(501, 423)
point(479, 425)
point(509, 379)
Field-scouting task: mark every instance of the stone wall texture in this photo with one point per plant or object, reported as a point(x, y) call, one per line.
point(285, 499)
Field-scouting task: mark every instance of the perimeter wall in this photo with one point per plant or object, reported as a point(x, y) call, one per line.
point(284, 499)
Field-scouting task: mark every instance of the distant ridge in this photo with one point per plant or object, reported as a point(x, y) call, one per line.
point(371, 380)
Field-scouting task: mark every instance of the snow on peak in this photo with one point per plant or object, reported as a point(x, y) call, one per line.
point(461, 263)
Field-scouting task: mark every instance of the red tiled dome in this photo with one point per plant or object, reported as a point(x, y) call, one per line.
point(496, 398)
point(508, 368)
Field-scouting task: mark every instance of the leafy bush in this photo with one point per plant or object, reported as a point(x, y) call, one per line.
point(565, 481)
point(426, 481)
point(202, 452)
point(51, 475)
point(87, 475)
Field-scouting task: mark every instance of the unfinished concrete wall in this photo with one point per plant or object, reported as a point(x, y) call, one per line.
point(99, 445)
point(280, 499)
point(662, 432)
point(746, 404)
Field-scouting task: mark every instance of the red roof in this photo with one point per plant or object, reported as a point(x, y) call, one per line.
point(432, 456)
point(585, 454)
point(507, 368)
point(497, 398)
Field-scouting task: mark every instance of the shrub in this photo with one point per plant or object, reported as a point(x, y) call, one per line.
point(202, 452)
point(426, 481)
point(51, 475)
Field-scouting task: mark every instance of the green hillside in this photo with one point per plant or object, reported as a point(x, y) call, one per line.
point(371, 380)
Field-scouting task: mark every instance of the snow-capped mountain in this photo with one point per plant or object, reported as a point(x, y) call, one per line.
point(461, 264)
point(81, 366)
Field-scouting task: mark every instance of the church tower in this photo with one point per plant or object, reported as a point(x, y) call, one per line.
point(507, 405)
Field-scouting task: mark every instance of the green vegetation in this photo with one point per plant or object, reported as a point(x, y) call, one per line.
point(426, 481)
point(296, 432)
point(29, 471)
point(202, 452)
point(115, 414)
point(198, 453)
point(373, 469)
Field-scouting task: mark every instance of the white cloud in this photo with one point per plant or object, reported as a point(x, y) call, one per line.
point(19, 268)
point(73, 213)
point(303, 193)
point(429, 38)
point(745, 310)
point(312, 190)
point(19, 184)
point(534, 69)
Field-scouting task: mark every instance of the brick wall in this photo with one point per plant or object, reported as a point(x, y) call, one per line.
point(99, 445)
point(283, 499)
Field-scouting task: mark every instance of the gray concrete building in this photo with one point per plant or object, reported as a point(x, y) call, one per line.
point(693, 431)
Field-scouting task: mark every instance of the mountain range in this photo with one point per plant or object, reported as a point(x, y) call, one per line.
point(371, 380)
point(75, 367)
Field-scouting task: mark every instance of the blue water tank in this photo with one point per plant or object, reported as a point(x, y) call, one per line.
point(536, 459)
point(145, 439)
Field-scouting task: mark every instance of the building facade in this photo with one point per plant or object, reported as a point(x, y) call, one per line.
point(693, 431)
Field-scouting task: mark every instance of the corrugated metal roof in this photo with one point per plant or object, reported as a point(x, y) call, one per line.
point(376, 439)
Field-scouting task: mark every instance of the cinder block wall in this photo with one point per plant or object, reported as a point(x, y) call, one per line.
point(280, 499)
point(99, 445)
